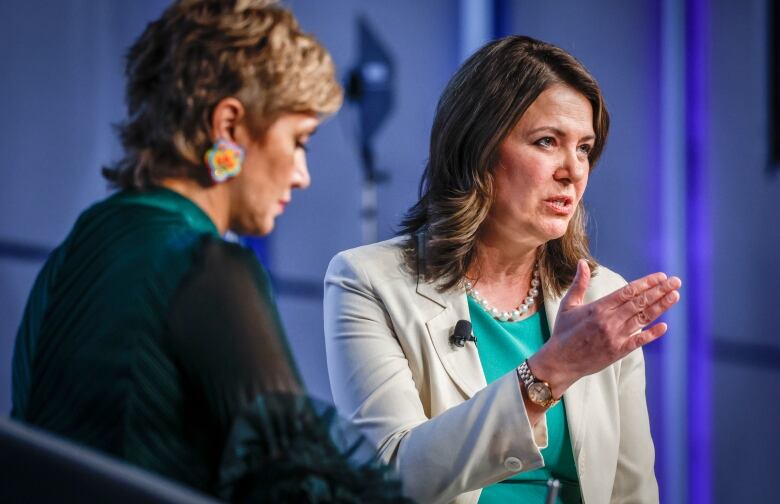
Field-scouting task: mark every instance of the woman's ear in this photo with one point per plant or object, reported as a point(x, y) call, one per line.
point(228, 113)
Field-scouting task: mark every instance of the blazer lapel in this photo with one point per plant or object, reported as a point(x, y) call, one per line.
point(461, 363)
point(575, 398)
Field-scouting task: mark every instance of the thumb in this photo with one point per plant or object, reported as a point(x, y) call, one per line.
point(579, 285)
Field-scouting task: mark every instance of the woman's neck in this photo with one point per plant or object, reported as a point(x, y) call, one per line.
point(213, 200)
point(497, 264)
point(502, 274)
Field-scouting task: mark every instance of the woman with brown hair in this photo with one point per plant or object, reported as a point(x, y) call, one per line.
point(551, 382)
point(149, 337)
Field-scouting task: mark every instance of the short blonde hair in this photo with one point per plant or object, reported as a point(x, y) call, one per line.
point(198, 53)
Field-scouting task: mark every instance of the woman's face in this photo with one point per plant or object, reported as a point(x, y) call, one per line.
point(542, 169)
point(274, 165)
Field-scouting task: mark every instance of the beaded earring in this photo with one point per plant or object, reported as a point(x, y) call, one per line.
point(224, 160)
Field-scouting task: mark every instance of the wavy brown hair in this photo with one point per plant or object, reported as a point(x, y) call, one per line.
point(198, 53)
point(481, 104)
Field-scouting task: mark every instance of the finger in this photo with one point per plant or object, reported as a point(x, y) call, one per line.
point(643, 338)
point(649, 314)
point(630, 291)
point(644, 300)
point(579, 285)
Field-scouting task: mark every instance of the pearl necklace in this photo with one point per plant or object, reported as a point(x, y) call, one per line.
point(515, 314)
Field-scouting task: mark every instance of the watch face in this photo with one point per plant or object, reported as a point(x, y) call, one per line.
point(539, 392)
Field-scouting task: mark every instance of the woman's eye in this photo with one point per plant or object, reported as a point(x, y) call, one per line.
point(545, 142)
point(299, 144)
point(586, 148)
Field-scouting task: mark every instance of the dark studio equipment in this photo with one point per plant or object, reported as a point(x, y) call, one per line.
point(370, 88)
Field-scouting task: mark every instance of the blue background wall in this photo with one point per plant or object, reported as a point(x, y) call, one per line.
point(61, 88)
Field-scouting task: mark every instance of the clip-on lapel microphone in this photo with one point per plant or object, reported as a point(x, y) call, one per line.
point(462, 334)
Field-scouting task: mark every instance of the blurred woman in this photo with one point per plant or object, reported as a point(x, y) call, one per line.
point(146, 335)
point(551, 382)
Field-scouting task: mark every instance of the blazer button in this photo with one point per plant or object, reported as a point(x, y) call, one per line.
point(513, 464)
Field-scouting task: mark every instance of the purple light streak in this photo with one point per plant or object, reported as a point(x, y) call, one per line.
point(699, 253)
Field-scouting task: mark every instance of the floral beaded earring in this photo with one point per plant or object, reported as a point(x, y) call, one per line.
point(224, 160)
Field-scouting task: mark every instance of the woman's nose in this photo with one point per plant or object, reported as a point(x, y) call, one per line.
point(574, 167)
point(301, 178)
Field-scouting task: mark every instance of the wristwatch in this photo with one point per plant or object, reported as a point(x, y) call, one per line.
point(539, 391)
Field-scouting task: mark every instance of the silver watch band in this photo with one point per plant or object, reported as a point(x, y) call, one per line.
point(525, 374)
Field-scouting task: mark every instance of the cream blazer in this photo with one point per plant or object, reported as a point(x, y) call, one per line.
point(426, 405)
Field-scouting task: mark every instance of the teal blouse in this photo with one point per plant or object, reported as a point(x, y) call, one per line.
point(502, 346)
point(148, 337)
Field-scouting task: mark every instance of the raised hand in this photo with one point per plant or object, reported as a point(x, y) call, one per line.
point(589, 337)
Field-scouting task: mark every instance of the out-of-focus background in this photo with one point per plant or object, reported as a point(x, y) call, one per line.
point(689, 182)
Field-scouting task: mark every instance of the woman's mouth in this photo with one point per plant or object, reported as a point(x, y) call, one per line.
point(559, 205)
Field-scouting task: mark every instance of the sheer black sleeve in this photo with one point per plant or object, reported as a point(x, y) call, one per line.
point(277, 445)
point(225, 330)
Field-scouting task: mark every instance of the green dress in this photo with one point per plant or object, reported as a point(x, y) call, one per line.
point(148, 337)
point(502, 346)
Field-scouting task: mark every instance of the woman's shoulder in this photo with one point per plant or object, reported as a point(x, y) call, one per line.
point(380, 250)
point(607, 276)
point(385, 252)
point(221, 257)
point(385, 260)
point(603, 282)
